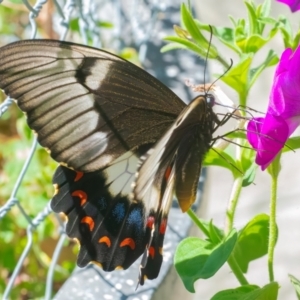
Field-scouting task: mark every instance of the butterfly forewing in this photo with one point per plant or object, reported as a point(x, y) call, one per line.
point(77, 97)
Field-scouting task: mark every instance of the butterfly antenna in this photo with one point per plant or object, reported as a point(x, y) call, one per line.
point(206, 58)
point(226, 71)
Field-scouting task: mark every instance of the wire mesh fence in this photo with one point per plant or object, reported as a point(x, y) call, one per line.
point(110, 24)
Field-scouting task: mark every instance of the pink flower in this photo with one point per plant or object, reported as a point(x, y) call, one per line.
point(269, 134)
point(293, 4)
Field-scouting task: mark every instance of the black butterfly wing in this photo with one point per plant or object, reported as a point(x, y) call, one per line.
point(109, 226)
point(87, 106)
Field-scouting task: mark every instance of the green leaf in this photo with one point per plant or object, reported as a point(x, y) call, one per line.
point(187, 44)
point(233, 21)
point(226, 36)
point(249, 175)
point(172, 46)
point(237, 134)
point(253, 23)
point(271, 60)
point(234, 294)
point(285, 24)
point(286, 38)
point(249, 292)
point(215, 234)
point(237, 76)
point(292, 144)
point(275, 167)
point(286, 31)
point(196, 34)
point(248, 164)
point(296, 40)
point(268, 292)
point(260, 23)
point(265, 8)
point(252, 241)
point(217, 157)
point(181, 32)
point(296, 284)
point(270, 21)
point(255, 42)
point(196, 258)
point(240, 30)
point(191, 26)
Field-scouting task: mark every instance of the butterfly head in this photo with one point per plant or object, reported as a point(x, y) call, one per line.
point(210, 99)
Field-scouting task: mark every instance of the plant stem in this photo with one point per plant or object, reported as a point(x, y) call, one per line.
point(236, 270)
point(243, 99)
point(198, 222)
point(233, 201)
point(272, 228)
point(231, 260)
point(274, 170)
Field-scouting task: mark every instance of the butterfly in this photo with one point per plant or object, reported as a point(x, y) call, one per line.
point(124, 141)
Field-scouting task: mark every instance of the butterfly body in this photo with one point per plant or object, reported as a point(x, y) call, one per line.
point(125, 142)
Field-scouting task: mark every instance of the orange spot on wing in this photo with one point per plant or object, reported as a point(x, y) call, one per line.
point(81, 195)
point(78, 176)
point(163, 226)
point(89, 221)
point(150, 222)
point(105, 240)
point(168, 172)
point(151, 252)
point(128, 242)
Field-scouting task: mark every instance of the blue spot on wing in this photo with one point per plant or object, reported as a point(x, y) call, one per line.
point(102, 203)
point(118, 212)
point(135, 218)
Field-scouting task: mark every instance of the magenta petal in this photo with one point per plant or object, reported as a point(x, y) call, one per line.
point(253, 131)
point(285, 96)
point(268, 135)
point(293, 123)
point(285, 93)
point(293, 4)
point(274, 134)
point(284, 61)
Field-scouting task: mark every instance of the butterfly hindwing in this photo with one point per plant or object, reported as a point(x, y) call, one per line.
point(109, 226)
point(153, 254)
